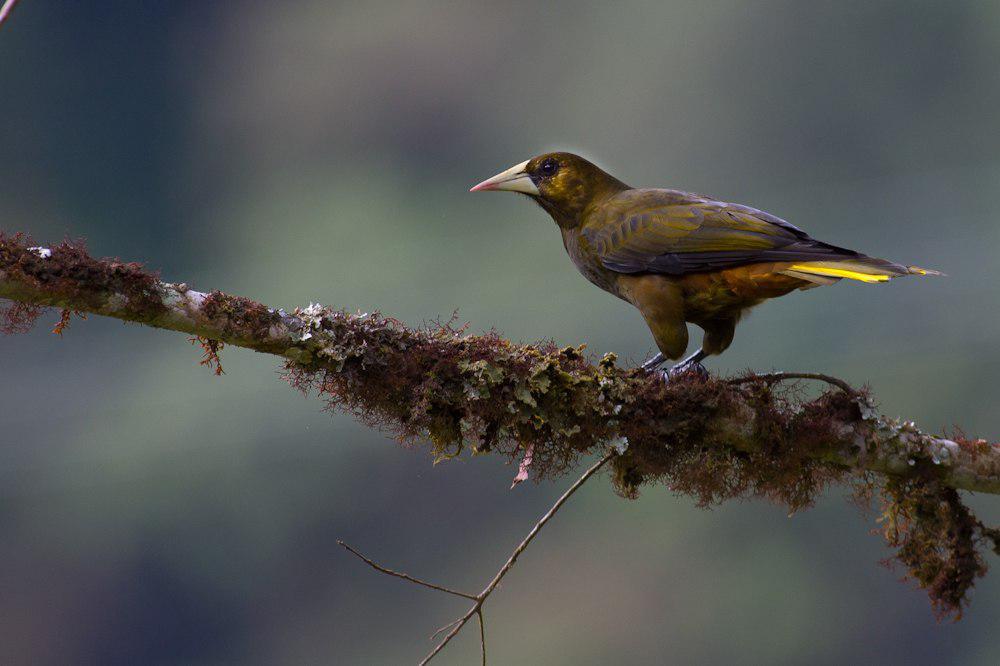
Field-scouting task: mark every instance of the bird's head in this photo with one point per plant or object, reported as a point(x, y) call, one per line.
point(563, 184)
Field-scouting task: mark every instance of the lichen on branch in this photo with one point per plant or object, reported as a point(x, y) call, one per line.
point(712, 439)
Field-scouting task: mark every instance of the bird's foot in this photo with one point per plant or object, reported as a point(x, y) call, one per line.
point(686, 370)
point(654, 362)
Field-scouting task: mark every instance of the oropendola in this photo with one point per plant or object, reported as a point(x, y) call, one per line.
point(681, 257)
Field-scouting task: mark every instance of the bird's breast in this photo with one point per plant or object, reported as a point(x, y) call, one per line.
point(588, 263)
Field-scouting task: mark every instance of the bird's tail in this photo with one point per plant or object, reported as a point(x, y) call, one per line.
point(863, 269)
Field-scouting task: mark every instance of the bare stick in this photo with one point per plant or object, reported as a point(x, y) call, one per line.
point(544, 519)
point(479, 599)
point(7, 8)
point(444, 629)
point(782, 376)
point(482, 633)
point(488, 590)
point(399, 574)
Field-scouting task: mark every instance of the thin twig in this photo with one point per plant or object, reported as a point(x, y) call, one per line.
point(443, 629)
point(482, 633)
point(544, 519)
point(479, 599)
point(399, 574)
point(772, 377)
point(488, 590)
point(5, 11)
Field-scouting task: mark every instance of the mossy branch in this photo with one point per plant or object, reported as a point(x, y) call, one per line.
point(713, 439)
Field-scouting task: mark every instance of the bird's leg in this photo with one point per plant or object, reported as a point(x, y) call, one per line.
point(653, 362)
point(691, 364)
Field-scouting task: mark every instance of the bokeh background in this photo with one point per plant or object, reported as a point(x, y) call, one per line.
point(151, 513)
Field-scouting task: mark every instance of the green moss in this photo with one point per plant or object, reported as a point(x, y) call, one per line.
point(937, 539)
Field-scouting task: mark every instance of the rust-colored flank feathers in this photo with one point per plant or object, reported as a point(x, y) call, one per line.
point(681, 257)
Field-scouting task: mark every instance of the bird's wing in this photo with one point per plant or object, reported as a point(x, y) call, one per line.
point(664, 231)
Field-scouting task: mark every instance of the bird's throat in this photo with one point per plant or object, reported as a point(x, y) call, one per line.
point(566, 219)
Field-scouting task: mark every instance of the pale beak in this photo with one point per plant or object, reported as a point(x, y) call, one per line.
point(514, 179)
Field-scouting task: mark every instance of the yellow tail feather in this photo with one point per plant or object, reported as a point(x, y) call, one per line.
point(830, 271)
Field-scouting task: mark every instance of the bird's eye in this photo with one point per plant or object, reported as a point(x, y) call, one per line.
point(549, 167)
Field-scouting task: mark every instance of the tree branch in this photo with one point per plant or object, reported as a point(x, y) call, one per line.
point(319, 338)
point(773, 377)
point(712, 439)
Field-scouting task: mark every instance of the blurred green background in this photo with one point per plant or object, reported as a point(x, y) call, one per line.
point(151, 513)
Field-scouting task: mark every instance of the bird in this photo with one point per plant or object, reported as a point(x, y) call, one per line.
point(680, 257)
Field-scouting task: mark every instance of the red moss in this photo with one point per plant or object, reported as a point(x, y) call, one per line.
point(210, 353)
point(68, 272)
point(937, 540)
point(684, 449)
point(238, 316)
point(458, 390)
point(64, 320)
point(974, 447)
point(17, 317)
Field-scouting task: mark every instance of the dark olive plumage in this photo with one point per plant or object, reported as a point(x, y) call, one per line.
point(681, 257)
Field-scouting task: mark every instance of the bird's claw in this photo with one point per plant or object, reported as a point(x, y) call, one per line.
point(683, 370)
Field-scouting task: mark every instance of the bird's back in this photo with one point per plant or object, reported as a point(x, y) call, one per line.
point(671, 232)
